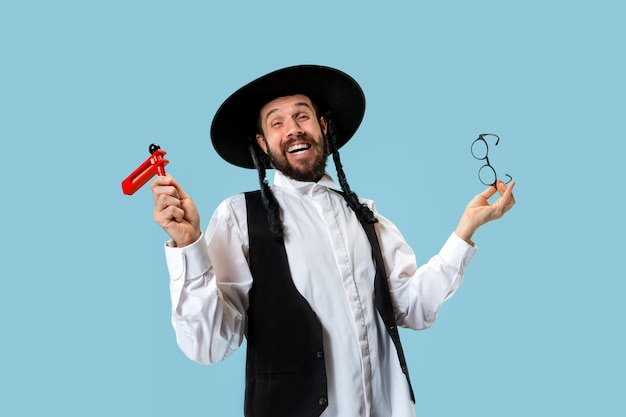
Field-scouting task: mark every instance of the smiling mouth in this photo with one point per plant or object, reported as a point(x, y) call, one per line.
point(301, 147)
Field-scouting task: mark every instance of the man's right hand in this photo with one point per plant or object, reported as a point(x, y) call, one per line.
point(175, 211)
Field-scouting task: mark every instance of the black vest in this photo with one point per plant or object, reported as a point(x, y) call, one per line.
point(285, 369)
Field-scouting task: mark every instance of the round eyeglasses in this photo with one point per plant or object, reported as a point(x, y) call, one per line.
point(480, 150)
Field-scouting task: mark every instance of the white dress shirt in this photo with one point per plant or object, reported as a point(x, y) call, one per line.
point(331, 265)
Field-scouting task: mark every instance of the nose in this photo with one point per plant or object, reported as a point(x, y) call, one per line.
point(293, 128)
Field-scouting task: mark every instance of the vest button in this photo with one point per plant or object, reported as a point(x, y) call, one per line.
point(323, 401)
point(320, 354)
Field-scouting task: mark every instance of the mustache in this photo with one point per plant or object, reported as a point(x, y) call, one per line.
point(302, 138)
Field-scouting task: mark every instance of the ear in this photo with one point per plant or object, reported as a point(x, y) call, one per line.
point(323, 124)
point(261, 141)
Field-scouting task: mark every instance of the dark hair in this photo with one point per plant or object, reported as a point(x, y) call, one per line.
point(361, 210)
point(267, 196)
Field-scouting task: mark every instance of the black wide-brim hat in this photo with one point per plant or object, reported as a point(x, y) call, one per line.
point(235, 122)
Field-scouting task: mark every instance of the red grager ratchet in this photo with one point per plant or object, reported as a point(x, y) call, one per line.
point(154, 165)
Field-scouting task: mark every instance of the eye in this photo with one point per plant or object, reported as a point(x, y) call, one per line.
point(303, 116)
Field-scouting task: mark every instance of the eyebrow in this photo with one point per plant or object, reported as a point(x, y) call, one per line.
point(299, 104)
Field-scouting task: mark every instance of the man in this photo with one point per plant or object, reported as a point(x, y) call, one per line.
point(313, 277)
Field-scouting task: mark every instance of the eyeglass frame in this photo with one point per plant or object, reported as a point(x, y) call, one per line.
point(486, 158)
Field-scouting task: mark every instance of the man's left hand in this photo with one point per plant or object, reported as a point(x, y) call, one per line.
point(479, 211)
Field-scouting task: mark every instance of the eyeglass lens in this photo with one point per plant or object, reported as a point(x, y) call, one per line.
point(480, 150)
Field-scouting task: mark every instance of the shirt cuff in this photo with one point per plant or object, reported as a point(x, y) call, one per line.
point(188, 262)
point(457, 252)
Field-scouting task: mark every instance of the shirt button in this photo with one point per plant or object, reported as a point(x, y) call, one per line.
point(323, 401)
point(320, 354)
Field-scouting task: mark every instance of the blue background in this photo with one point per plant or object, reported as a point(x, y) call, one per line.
point(85, 87)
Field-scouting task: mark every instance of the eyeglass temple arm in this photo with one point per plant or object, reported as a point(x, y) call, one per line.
point(482, 135)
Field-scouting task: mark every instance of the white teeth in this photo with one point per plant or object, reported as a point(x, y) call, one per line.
point(298, 147)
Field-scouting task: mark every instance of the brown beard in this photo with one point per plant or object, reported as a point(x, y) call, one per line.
point(312, 173)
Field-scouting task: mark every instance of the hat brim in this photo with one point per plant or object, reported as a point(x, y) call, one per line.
point(235, 122)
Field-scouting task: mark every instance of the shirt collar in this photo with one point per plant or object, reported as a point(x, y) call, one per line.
point(282, 181)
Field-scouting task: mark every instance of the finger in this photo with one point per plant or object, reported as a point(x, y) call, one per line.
point(502, 187)
point(507, 200)
point(164, 201)
point(487, 193)
point(174, 213)
point(507, 191)
point(168, 215)
point(162, 180)
point(164, 196)
point(158, 186)
point(167, 190)
point(510, 196)
point(168, 180)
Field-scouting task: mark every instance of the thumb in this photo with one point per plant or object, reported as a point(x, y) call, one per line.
point(488, 193)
